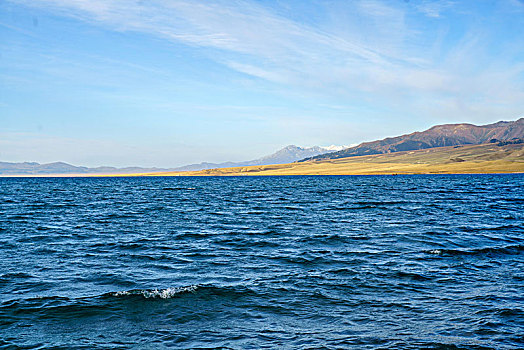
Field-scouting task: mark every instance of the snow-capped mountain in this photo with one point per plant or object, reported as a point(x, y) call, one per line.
point(334, 148)
point(287, 154)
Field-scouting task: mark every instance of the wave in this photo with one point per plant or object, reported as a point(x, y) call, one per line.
point(488, 228)
point(15, 275)
point(198, 290)
point(125, 296)
point(412, 276)
point(167, 293)
point(69, 308)
point(507, 250)
point(178, 188)
point(106, 306)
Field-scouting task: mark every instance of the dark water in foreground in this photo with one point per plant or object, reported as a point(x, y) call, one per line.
point(279, 262)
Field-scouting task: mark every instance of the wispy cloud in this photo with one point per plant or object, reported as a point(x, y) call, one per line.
point(232, 27)
point(381, 53)
point(432, 8)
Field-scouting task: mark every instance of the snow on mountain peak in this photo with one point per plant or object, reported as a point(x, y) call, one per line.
point(334, 148)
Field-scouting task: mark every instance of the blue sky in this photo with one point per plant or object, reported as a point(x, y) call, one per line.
point(166, 83)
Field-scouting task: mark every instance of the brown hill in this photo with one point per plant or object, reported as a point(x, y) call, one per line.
point(437, 136)
point(485, 158)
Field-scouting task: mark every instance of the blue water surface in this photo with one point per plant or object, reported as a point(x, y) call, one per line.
point(320, 262)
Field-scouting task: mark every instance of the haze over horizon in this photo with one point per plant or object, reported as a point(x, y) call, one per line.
point(168, 83)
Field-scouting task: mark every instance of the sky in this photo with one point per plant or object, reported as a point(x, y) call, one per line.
point(171, 82)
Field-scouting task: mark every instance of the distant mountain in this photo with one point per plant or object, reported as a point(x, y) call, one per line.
point(437, 136)
point(335, 148)
point(33, 168)
point(287, 154)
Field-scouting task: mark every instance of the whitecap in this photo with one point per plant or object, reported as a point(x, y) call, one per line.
point(158, 293)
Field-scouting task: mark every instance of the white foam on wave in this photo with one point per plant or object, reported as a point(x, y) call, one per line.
point(158, 293)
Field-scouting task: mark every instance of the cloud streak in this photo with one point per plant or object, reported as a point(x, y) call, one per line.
point(386, 55)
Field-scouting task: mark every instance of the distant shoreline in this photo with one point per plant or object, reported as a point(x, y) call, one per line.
point(470, 159)
point(231, 176)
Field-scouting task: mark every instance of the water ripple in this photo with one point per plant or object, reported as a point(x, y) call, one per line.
point(362, 262)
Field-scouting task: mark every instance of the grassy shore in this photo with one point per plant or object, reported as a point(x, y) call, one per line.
point(486, 158)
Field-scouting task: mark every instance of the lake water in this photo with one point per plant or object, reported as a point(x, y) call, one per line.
point(359, 262)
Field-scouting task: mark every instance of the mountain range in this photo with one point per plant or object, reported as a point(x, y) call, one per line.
point(437, 136)
point(34, 168)
point(502, 133)
point(288, 154)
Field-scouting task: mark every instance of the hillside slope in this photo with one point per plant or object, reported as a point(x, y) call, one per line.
point(437, 136)
point(485, 158)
